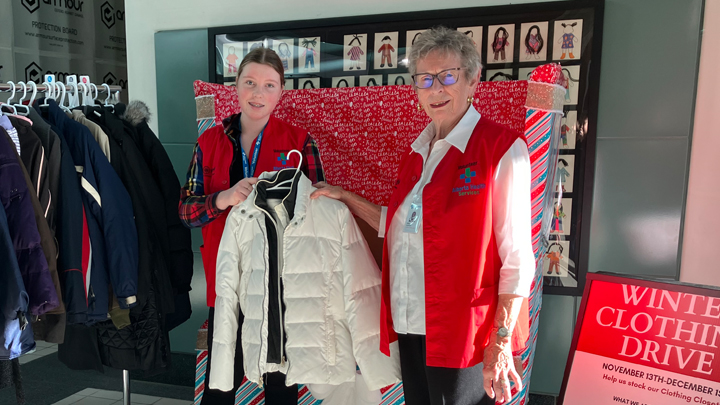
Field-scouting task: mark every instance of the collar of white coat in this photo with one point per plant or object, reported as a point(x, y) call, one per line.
point(248, 210)
point(458, 137)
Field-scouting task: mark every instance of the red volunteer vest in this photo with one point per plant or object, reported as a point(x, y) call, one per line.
point(279, 138)
point(462, 265)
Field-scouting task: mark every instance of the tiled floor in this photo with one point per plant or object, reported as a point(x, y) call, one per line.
point(41, 349)
point(91, 396)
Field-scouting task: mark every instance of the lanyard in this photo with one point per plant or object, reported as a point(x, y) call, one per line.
point(249, 169)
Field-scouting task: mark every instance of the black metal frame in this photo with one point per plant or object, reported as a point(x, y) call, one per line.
point(332, 31)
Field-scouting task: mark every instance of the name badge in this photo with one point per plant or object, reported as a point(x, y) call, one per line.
point(412, 223)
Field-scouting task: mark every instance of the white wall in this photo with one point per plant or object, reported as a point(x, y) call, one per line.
point(701, 237)
point(144, 18)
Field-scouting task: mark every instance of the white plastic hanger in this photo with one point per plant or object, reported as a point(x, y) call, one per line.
point(62, 98)
point(108, 99)
point(74, 98)
point(49, 94)
point(9, 101)
point(284, 184)
point(23, 109)
point(97, 93)
point(34, 94)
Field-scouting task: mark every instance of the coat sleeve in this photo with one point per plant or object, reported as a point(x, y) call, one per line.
point(118, 226)
point(361, 279)
point(227, 309)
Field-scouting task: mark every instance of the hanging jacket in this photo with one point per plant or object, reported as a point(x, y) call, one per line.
point(15, 198)
point(278, 138)
point(176, 240)
point(50, 326)
point(33, 157)
point(108, 215)
point(51, 145)
point(309, 289)
point(128, 348)
point(71, 232)
point(17, 336)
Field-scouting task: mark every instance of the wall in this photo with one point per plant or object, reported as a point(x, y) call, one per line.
point(645, 120)
point(701, 238)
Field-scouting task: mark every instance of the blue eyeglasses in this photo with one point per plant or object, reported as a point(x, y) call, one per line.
point(446, 77)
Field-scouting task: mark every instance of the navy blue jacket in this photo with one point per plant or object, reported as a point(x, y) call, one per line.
point(17, 336)
point(108, 213)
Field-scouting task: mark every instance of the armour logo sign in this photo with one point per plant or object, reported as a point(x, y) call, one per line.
point(31, 5)
point(33, 73)
point(107, 14)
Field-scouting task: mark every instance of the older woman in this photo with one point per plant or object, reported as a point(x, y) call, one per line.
point(458, 260)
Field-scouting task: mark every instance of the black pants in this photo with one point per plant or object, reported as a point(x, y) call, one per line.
point(275, 390)
point(426, 385)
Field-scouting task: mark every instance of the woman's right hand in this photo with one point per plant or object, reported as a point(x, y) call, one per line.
point(324, 189)
point(235, 194)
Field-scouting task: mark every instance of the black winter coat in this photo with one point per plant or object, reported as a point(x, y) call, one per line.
point(177, 246)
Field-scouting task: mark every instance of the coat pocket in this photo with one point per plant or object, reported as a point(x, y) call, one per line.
point(330, 341)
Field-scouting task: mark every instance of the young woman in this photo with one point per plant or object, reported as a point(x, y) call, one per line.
point(226, 162)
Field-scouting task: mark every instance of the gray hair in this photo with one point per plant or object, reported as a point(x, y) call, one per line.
point(446, 40)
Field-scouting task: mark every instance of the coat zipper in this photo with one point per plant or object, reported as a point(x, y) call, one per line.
point(267, 266)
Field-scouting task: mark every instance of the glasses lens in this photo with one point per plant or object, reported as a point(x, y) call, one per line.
point(448, 78)
point(424, 81)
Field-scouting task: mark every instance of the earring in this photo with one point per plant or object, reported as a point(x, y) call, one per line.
point(420, 107)
point(470, 100)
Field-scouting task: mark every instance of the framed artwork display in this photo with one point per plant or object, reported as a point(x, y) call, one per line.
point(366, 51)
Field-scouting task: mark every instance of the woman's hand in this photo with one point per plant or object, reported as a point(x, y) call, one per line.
point(334, 192)
point(498, 368)
point(235, 194)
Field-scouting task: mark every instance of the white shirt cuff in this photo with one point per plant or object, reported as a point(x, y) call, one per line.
point(383, 218)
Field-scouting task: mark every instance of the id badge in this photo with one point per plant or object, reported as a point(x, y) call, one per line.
point(412, 223)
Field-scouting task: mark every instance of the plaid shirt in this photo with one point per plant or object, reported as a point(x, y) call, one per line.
point(198, 209)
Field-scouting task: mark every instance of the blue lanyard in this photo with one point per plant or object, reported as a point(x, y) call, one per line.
point(248, 169)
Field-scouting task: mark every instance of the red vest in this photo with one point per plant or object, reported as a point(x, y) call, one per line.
point(462, 265)
point(279, 138)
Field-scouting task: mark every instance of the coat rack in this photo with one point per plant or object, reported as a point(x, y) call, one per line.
point(110, 90)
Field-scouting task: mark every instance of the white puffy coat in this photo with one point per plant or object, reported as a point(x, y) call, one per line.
point(331, 293)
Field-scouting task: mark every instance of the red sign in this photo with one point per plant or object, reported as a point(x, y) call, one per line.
point(644, 342)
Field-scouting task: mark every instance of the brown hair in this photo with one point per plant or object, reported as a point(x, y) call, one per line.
point(263, 56)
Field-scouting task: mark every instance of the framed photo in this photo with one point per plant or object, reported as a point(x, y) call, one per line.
point(568, 130)
point(572, 74)
point(500, 43)
point(309, 55)
point(534, 42)
point(475, 33)
point(399, 79)
point(343, 81)
point(410, 38)
point(309, 83)
point(561, 217)
point(371, 80)
point(285, 48)
point(232, 55)
point(355, 52)
point(386, 50)
point(568, 40)
point(499, 75)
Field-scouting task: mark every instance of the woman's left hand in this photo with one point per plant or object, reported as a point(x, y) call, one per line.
point(498, 369)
